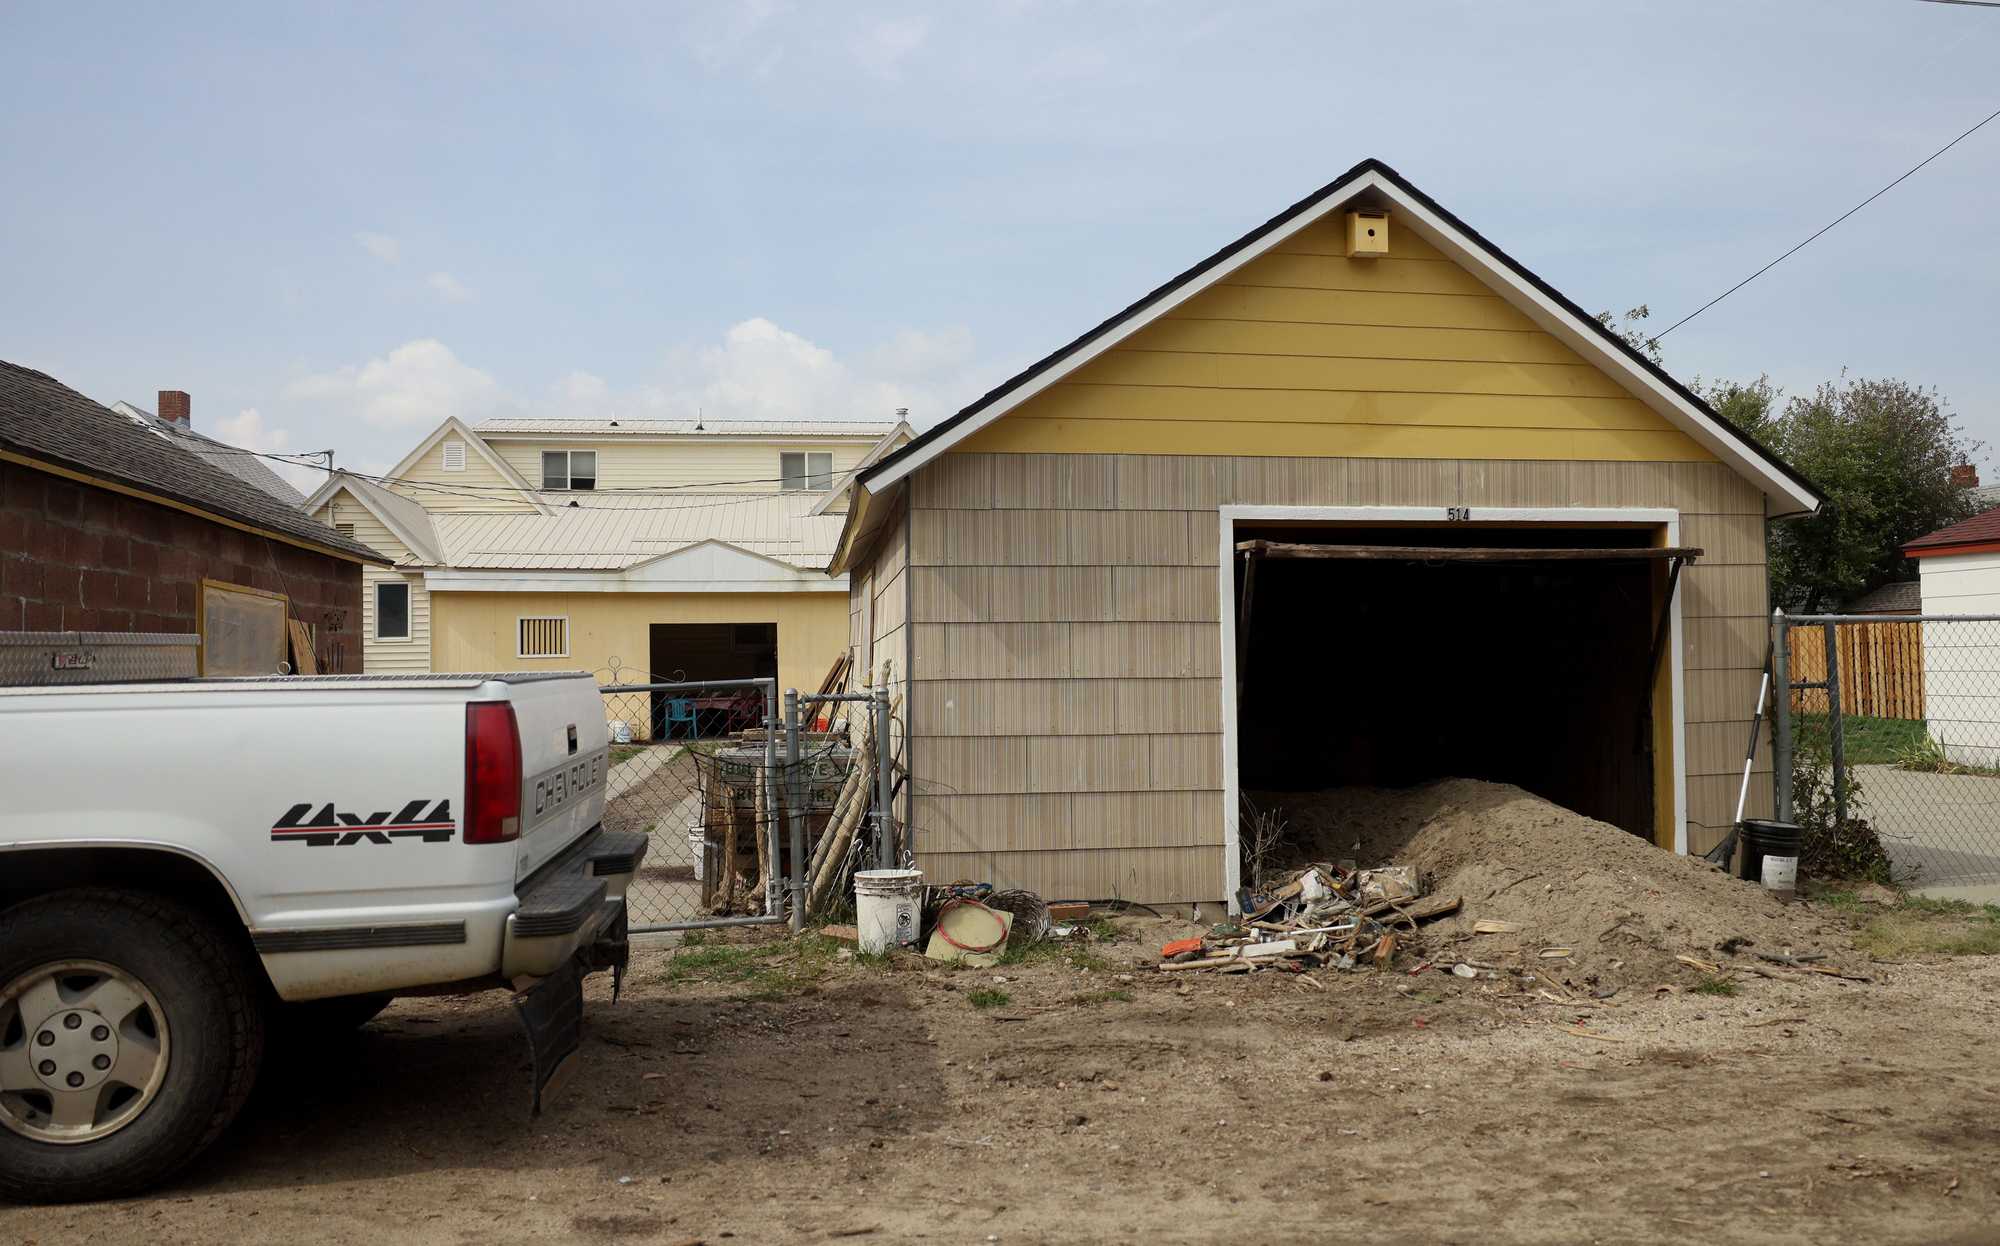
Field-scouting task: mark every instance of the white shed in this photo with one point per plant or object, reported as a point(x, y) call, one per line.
point(1959, 572)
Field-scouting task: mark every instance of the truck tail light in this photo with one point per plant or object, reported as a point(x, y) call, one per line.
point(492, 773)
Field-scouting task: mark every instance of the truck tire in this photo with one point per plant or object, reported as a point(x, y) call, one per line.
point(130, 1035)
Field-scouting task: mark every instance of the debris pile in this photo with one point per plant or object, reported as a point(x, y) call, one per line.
point(1573, 904)
point(1319, 916)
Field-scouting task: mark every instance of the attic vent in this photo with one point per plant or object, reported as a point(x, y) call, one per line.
point(544, 637)
point(454, 455)
point(345, 529)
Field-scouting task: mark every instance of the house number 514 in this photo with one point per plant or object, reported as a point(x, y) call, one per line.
point(1457, 514)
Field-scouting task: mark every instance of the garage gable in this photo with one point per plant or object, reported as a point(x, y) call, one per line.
point(1283, 345)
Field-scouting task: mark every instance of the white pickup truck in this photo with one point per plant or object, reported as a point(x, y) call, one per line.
point(185, 864)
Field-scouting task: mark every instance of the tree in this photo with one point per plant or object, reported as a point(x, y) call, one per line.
point(1634, 336)
point(1882, 452)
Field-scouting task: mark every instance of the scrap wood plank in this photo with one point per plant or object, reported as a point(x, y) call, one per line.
point(304, 660)
point(1418, 911)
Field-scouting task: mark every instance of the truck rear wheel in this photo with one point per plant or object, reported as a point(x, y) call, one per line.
point(130, 1035)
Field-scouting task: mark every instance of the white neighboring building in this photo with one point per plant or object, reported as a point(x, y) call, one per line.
point(1959, 571)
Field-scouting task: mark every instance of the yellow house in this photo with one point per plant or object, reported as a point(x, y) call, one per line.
point(1356, 500)
point(638, 549)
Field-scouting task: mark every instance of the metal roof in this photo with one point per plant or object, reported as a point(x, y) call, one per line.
point(525, 427)
point(609, 532)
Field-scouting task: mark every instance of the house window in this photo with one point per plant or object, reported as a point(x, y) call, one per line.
point(392, 610)
point(454, 455)
point(542, 638)
point(804, 470)
point(569, 469)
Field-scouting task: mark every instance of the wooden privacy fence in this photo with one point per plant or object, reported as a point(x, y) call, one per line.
point(1881, 668)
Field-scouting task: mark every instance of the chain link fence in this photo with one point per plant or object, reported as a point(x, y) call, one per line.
point(738, 792)
point(1905, 712)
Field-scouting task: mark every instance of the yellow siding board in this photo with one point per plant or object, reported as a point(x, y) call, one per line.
point(1165, 706)
point(1014, 707)
point(1172, 594)
point(1305, 306)
point(1337, 272)
point(1258, 338)
point(1189, 404)
point(1252, 373)
point(1187, 761)
point(1021, 433)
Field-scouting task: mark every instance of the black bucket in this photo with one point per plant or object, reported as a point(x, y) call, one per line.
point(1762, 838)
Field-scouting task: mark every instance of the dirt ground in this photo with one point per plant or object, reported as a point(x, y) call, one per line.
point(765, 1091)
point(1585, 1084)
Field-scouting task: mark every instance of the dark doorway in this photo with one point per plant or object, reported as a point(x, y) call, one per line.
point(1395, 672)
point(691, 652)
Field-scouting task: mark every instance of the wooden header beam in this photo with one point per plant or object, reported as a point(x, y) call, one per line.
point(1464, 553)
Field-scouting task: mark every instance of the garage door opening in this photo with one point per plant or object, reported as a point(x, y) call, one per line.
point(697, 651)
point(1388, 656)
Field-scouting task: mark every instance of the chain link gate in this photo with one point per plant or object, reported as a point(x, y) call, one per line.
point(1905, 712)
point(731, 788)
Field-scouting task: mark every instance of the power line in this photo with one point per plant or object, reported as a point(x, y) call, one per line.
point(1829, 225)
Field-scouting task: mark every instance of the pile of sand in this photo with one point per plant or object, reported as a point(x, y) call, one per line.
point(1624, 908)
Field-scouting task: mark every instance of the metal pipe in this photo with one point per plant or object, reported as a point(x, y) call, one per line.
point(795, 816)
point(885, 827)
point(1807, 619)
point(773, 887)
point(712, 923)
point(836, 696)
point(695, 683)
point(1781, 742)
point(1835, 732)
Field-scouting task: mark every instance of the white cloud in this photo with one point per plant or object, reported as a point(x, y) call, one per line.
point(581, 389)
point(416, 385)
point(448, 288)
point(883, 46)
point(247, 430)
point(761, 371)
point(381, 246)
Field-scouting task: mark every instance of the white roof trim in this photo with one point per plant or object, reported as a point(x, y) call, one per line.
point(710, 566)
point(476, 443)
point(1475, 258)
point(890, 440)
point(340, 482)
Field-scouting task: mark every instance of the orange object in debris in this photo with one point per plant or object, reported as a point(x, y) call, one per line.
point(1178, 946)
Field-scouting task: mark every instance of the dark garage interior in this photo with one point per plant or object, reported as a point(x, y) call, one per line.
point(1395, 670)
point(687, 652)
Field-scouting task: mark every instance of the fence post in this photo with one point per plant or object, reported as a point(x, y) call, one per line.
point(885, 830)
point(795, 816)
point(1781, 736)
point(773, 887)
point(1835, 735)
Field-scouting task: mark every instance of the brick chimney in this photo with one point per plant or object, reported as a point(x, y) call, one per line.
point(173, 408)
point(1965, 476)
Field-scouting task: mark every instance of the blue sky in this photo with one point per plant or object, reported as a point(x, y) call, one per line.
point(334, 225)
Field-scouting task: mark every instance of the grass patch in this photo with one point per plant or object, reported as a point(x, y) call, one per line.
point(1102, 997)
point(1922, 926)
point(988, 997)
point(769, 970)
point(625, 752)
point(1075, 953)
point(1866, 740)
point(1715, 984)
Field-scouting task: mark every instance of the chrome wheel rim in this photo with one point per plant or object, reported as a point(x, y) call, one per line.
point(83, 1050)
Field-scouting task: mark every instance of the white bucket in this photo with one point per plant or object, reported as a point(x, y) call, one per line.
point(621, 731)
point(1781, 876)
point(885, 907)
point(698, 849)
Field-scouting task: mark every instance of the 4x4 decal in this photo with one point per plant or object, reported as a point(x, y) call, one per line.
point(329, 827)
